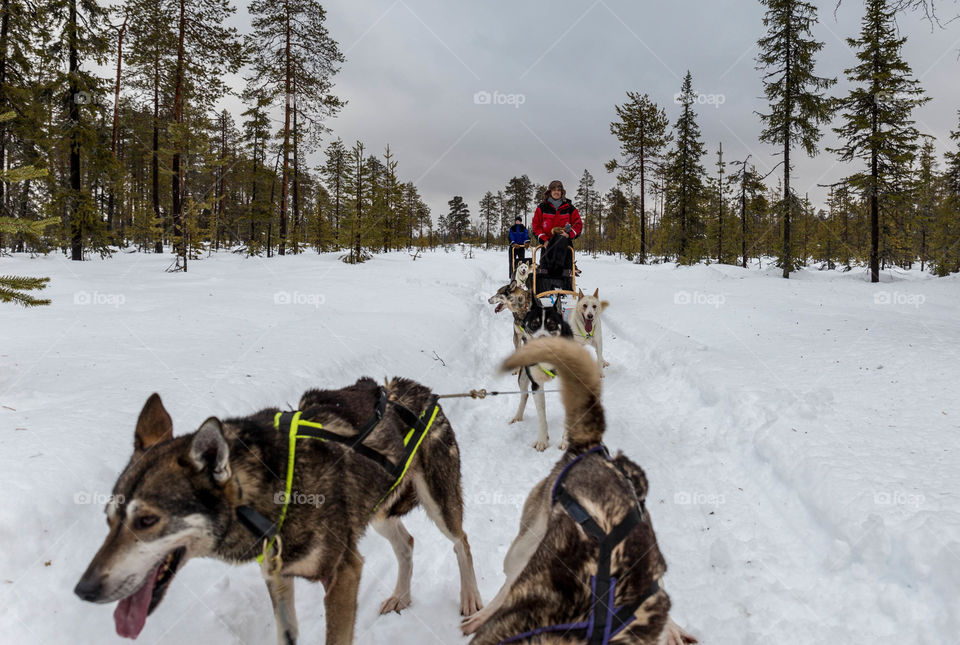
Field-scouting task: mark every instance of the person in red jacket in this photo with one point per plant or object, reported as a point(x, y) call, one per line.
point(556, 223)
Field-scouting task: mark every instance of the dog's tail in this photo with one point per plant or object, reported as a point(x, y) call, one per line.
point(579, 384)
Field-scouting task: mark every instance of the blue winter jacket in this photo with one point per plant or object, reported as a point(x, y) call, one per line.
point(519, 234)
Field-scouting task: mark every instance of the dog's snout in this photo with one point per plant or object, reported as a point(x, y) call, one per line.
point(89, 588)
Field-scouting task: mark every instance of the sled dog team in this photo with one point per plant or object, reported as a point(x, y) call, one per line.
point(584, 567)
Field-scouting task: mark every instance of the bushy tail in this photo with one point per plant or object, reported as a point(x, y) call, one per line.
point(579, 384)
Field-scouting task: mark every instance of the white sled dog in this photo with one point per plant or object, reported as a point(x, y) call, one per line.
point(586, 325)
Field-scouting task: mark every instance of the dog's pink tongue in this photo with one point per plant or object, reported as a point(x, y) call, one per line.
point(131, 613)
point(588, 325)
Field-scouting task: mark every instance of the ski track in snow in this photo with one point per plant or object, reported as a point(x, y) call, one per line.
point(800, 437)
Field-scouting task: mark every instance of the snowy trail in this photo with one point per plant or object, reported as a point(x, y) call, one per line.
point(801, 439)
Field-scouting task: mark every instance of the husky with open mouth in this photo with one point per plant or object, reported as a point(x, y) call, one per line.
point(298, 488)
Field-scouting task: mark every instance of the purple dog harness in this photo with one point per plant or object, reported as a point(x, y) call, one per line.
point(606, 621)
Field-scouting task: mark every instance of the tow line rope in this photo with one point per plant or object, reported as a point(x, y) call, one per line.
point(482, 394)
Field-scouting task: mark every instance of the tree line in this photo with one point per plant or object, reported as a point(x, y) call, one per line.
point(144, 159)
point(900, 207)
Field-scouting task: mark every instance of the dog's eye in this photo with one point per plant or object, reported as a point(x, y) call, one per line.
point(145, 521)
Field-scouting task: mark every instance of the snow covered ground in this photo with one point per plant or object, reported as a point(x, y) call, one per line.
point(800, 437)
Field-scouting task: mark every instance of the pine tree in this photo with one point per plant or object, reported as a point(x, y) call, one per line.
point(334, 172)
point(356, 190)
point(798, 105)
point(685, 176)
point(206, 50)
point(953, 165)
point(642, 133)
point(488, 214)
point(877, 127)
point(294, 62)
point(519, 193)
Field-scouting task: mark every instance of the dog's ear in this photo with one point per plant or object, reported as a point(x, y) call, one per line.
point(604, 304)
point(209, 450)
point(153, 425)
point(513, 285)
point(596, 292)
point(579, 293)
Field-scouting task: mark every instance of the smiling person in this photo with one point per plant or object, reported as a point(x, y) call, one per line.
point(556, 224)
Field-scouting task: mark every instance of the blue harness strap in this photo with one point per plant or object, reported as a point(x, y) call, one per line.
point(606, 620)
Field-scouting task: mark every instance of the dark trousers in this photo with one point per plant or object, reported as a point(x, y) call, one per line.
point(515, 256)
point(556, 264)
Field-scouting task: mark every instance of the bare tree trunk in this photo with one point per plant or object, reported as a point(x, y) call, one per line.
point(76, 246)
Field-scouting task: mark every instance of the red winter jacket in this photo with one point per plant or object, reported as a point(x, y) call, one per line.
point(548, 218)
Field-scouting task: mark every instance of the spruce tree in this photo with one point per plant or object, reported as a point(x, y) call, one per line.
point(926, 197)
point(458, 219)
point(877, 126)
point(642, 133)
point(798, 105)
point(685, 177)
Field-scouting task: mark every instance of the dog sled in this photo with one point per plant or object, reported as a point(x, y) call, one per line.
point(547, 286)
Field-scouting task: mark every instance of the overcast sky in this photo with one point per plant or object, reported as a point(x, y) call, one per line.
point(414, 68)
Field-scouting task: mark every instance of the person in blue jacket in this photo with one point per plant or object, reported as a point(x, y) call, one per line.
point(518, 250)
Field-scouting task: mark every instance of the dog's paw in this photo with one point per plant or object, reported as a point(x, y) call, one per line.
point(516, 419)
point(676, 635)
point(563, 445)
point(395, 603)
point(470, 603)
point(606, 364)
point(541, 444)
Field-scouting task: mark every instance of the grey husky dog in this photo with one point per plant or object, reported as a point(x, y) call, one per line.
point(297, 489)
